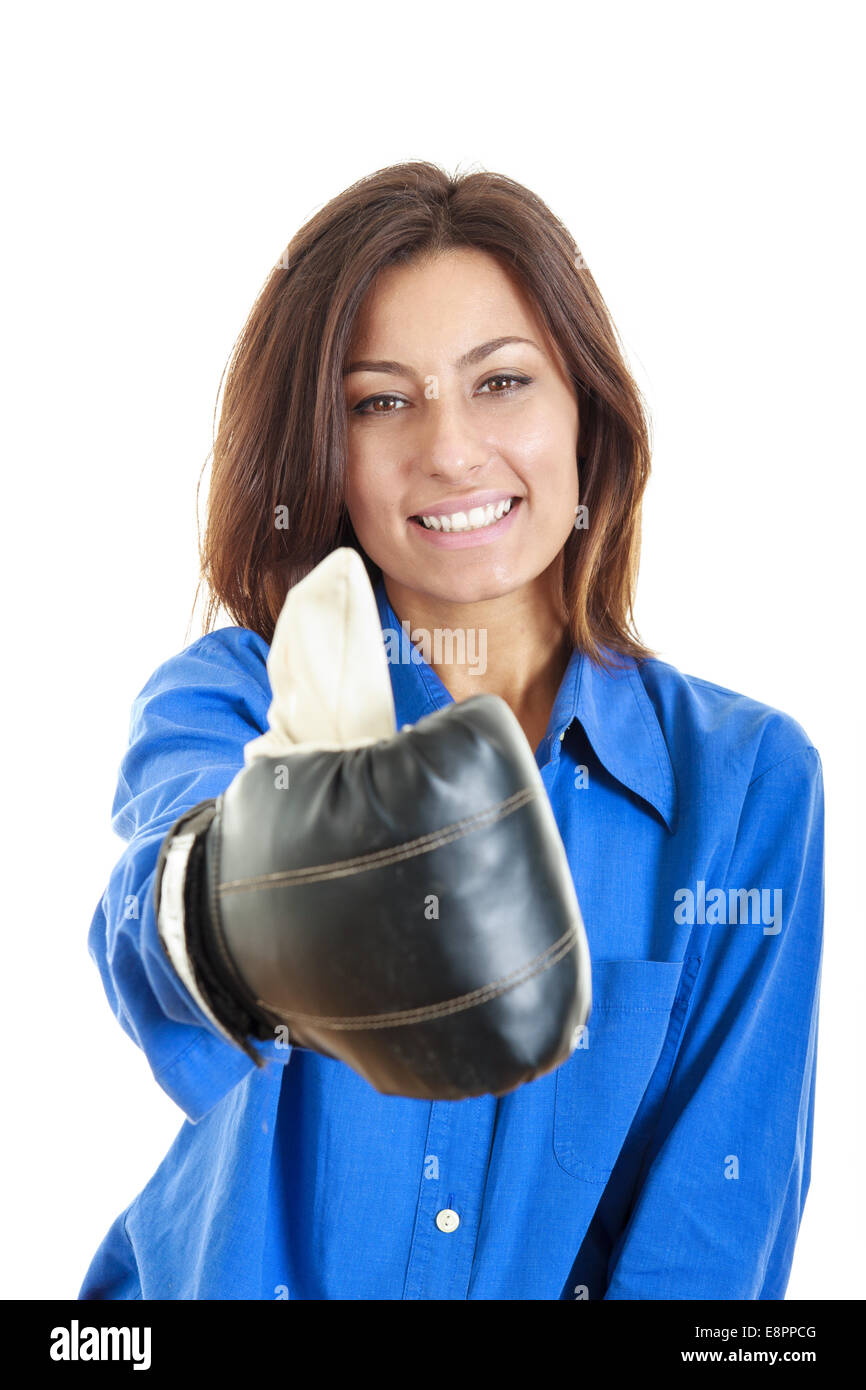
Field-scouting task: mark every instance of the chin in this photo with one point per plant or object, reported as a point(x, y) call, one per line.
point(467, 588)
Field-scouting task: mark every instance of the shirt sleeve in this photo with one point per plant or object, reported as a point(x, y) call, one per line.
point(188, 729)
point(724, 1180)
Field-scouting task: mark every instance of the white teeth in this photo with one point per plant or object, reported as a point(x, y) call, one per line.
point(475, 520)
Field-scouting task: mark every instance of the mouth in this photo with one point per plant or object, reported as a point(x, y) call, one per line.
point(475, 519)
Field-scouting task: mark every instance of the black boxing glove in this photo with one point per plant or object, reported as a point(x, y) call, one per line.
point(401, 902)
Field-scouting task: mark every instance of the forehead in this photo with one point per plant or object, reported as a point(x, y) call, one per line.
point(451, 300)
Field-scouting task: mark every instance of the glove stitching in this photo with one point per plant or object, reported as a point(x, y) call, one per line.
point(559, 949)
point(320, 873)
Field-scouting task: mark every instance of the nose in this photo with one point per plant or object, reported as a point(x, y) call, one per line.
point(449, 448)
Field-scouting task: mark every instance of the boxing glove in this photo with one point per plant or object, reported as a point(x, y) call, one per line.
point(399, 901)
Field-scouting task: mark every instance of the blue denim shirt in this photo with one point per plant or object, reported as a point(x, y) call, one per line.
point(667, 1158)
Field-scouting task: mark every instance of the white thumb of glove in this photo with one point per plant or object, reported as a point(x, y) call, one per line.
point(327, 665)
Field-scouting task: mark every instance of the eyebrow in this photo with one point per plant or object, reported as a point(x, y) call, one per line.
point(476, 354)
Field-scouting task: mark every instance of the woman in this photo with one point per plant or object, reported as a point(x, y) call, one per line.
point(428, 347)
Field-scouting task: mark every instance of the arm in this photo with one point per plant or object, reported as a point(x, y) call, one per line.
point(721, 1192)
point(297, 898)
point(188, 729)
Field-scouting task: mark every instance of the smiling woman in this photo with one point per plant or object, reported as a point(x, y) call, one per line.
point(428, 475)
point(362, 895)
point(444, 360)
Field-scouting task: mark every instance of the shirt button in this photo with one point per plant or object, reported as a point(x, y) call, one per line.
point(447, 1220)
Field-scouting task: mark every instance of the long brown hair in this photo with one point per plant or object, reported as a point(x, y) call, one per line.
point(281, 447)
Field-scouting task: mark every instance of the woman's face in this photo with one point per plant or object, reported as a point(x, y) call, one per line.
point(445, 424)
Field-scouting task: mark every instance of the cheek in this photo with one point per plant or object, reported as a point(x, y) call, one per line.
point(543, 448)
point(367, 500)
point(552, 481)
point(550, 474)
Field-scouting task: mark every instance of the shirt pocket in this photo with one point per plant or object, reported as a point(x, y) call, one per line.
point(600, 1087)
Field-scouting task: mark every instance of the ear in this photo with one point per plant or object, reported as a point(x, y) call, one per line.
point(327, 664)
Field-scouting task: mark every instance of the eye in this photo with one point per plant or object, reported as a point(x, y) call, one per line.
point(370, 400)
point(508, 376)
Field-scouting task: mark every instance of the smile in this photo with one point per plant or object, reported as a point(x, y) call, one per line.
point(474, 520)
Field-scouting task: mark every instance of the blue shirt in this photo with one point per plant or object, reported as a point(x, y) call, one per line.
point(668, 1158)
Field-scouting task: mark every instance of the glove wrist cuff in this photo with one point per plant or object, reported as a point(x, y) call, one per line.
point(188, 931)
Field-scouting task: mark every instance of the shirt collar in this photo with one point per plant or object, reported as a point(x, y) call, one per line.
point(612, 707)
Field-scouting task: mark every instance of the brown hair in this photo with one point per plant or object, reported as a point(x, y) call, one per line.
point(282, 432)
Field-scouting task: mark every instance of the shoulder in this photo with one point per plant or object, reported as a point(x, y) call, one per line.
point(223, 671)
point(190, 722)
point(225, 654)
point(737, 733)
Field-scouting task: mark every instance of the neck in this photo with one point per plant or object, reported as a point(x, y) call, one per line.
point(516, 646)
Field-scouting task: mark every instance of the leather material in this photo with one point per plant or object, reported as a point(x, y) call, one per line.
point(405, 906)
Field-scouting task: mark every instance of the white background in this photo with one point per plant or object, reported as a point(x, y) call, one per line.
point(707, 160)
